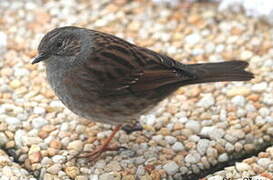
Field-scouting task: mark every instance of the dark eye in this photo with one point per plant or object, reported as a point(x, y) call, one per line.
point(59, 44)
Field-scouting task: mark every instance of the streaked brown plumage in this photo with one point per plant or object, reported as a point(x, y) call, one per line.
point(106, 79)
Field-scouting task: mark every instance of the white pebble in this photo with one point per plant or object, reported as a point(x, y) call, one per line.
point(75, 145)
point(202, 146)
point(259, 87)
point(238, 100)
point(223, 157)
point(3, 139)
point(170, 139)
point(193, 39)
point(193, 125)
point(39, 110)
point(19, 134)
point(13, 121)
point(192, 157)
point(3, 41)
point(264, 162)
point(171, 168)
point(39, 122)
point(242, 166)
point(206, 101)
point(178, 146)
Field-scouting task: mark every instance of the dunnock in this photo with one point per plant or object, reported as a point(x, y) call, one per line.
point(109, 80)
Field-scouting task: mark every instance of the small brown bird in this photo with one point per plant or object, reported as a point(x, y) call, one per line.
point(106, 79)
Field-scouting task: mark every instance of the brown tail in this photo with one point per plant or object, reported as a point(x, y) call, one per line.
point(222, 71)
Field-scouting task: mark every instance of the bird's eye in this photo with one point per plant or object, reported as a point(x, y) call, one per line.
point(59, 44)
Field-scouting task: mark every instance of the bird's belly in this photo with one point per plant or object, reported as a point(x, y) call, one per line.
point(110, 110)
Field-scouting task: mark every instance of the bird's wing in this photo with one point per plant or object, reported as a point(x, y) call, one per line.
point(123, 67)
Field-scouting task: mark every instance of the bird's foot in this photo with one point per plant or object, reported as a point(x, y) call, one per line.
point(94, 155)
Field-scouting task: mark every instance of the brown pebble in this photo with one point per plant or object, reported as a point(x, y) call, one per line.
point(35, 157)
point(72, 171)
point(56, 144)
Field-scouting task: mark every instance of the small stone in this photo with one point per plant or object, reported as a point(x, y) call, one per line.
point(34, 148)
point(56, 144)
point(19, 134)
point(54, 169)
point(202, 146)
point(223, 157)
point(72, 171)
point(157, 138)
point(259, 87)
point(75, 145)
point(170, 139)
point(206, 101)
point(193, 157)
point(48, 177)
point(14, 84)
point(58, 159)
point(13, 121)
point(35, 157)
point(3, 139)
point(39, 110)
point(217, 177)
point(3, 41)
point(193, 125)
point(193, 39)
point(112, 176)
point(242, 166)
point(81, 178)
point(246, 55)
point(171, 168)
point(238, 91)
point(178, 146)
point(264, 162)
point(238, 100)
point(39, 122)
point(114, 166)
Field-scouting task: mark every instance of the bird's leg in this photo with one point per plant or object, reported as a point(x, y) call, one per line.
point(104, 147)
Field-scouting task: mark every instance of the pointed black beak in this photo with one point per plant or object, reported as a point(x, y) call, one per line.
point(40, 57)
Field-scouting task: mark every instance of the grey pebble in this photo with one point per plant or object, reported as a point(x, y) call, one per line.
point(171, 168)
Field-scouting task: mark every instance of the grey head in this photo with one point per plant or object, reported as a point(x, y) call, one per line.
point(60, 44)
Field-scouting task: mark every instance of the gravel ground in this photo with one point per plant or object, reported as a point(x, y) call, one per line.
point(191, 132)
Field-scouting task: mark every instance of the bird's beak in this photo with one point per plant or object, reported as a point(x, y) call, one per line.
point(40, 57)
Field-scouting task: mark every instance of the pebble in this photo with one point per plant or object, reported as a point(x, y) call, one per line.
point(75, 145)
point(206, 101)
point(3, 41)
point(223, 157)
point(54, 169)
point(178, 146)
point(39, 122)
point(259, 87)
point(19, 134)
point(13, 121)
point(170, 139)
point(238, 100)
point(58, 159)
point(264, 162)
point(193, 125)
point(192, 157)
point(193, 39)
point(202, 146)
point(3, 139)
point(238, 91)
point(72, 171)
point(241, 166)
point(171, 168)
